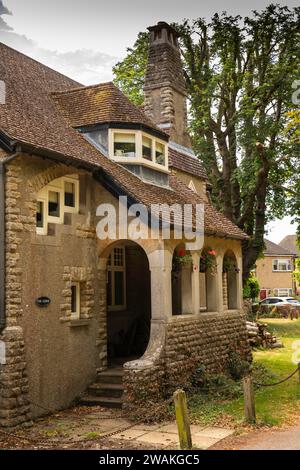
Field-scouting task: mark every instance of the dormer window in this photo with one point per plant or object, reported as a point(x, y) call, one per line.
point(138, 148)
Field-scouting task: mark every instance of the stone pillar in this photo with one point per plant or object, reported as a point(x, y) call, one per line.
point(219, 281)
point(196, 283)
point(160, 264)
point(240, 301)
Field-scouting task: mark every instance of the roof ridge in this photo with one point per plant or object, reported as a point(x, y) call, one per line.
point(27, 57)
point(84, 87)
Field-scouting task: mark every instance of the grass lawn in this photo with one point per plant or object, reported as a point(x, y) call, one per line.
point(275, 406)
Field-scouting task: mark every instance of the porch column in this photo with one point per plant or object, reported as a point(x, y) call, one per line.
point(239, 281)
point(160, 263)
point(219, 275)
point(196, 283)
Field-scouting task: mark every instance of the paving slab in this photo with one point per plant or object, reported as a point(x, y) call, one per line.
point(214, 432)
point(203, 442)
point(159, 438)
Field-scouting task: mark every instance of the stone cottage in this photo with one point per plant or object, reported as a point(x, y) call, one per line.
point(109, 316)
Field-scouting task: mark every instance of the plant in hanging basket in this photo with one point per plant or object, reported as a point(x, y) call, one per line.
point(208, 262)
point(230, 266)
point(182, 258)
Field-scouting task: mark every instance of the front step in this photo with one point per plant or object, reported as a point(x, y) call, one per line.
point(106, 402)
point(107, 391)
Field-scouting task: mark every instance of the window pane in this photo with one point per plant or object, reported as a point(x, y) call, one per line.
point(118, 257)
point(69, 194)
point(74, 299)
point(119, 288)
point(159, 153)
point(54, 209)
point(124, 145)
point(109, 289)
point(147, 148)
point(40, 214)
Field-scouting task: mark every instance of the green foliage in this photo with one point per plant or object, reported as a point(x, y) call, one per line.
point(130, 72)
point(251, 288)
point(296, 273)
point(240, 74)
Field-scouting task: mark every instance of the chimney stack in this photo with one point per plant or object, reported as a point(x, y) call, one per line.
point(165, 87)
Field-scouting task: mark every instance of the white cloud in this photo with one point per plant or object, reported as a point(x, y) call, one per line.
point(84, 65)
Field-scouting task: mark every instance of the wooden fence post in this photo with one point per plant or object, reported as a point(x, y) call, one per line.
point(182, 418)
point(249, 400)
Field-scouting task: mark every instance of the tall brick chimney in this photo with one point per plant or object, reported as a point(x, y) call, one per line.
point(165, 87)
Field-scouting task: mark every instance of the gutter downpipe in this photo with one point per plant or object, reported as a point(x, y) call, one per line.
point(2, 240)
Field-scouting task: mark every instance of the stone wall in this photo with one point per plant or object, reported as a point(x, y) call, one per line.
point(206, 339)
point(49, 360)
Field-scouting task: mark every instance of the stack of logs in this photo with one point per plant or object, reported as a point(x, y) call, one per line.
point(260, 336)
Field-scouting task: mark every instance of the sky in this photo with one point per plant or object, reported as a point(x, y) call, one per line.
point(85, 39)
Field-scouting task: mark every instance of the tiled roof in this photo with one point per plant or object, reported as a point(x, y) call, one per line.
point(32, 119)
point(187, 163)
point(290, 243)
point(99, 104)
point(274, 249)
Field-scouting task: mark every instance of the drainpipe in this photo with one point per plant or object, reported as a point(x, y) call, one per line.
point(2, 240)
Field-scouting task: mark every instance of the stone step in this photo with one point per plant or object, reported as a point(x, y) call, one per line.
point(110, 376)
point(107, 402)
point(106, 390)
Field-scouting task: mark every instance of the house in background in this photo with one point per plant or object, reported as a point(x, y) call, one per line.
point(290, 243)
point(275, 271)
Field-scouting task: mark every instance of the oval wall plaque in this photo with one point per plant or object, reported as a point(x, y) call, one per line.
point(43, 302)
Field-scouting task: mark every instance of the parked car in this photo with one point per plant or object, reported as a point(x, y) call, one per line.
point(279, 301)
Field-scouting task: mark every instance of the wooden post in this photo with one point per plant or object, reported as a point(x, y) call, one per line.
point(249, 400)
point(183, 422)
point(299, 371)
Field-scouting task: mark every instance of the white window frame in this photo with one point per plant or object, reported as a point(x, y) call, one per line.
point(58, 185)
point(287, 261)
point(74, 181)
point(76, 315)
point(52, 219)
point(112, 269)
point(138, 159)
point(43, 230)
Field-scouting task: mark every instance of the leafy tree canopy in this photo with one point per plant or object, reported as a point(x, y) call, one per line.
point(241, 75)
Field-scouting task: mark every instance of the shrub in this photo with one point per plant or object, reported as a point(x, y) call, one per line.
point(236, 365)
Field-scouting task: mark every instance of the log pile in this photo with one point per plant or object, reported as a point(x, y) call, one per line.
point(260, 336)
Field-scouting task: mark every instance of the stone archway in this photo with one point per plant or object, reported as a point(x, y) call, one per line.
point(128, 301)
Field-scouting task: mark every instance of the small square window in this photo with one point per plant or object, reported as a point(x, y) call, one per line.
point(54, 204)
point(70, 194)
point(75, 300)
